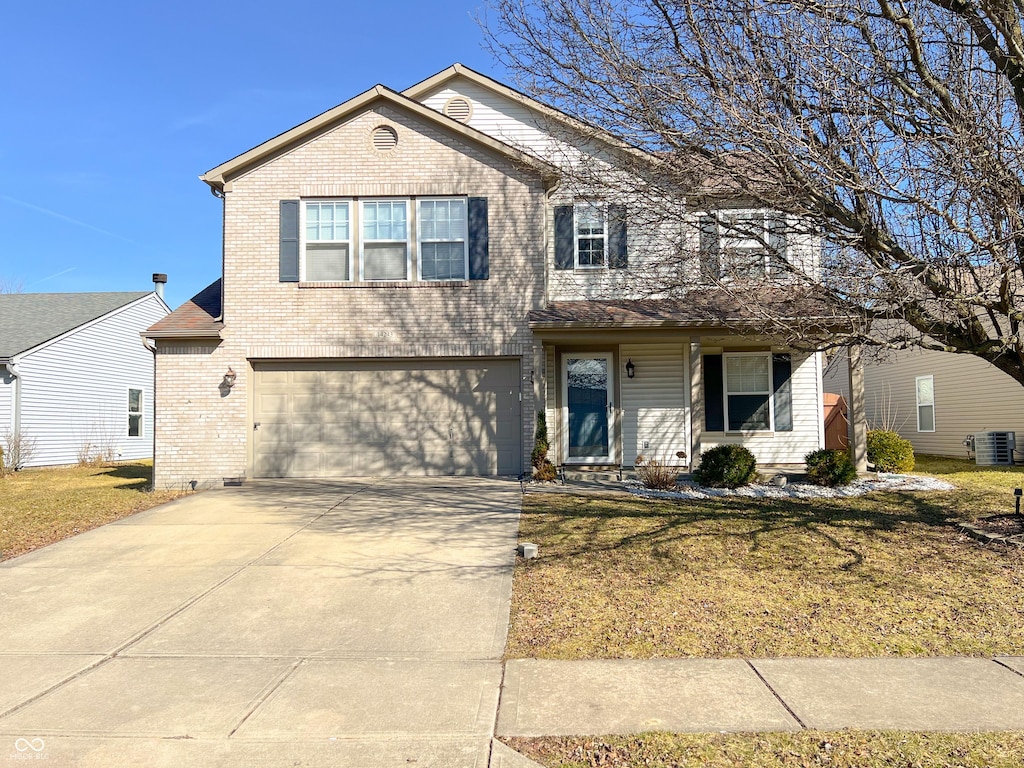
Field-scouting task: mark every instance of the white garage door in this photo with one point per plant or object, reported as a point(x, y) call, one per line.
point(420, 417)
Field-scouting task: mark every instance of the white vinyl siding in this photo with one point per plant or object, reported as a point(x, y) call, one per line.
point(655, 403)
point(925, 389)
point(73, 391)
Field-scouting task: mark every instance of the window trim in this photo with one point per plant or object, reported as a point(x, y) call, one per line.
point(920, 405)
point(767, 356)
point(141, 413)
point(602, 207)
point(409, 226)
point(420, 239)
point(725, 234)
point(303, 241)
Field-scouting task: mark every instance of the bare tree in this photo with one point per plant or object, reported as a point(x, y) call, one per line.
point(891, 128)
point(10, 286)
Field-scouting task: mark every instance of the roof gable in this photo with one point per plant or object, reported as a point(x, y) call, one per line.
point(218, 176)
point(30, 319)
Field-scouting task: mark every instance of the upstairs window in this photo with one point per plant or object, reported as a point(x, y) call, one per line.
point(385, 226)
point(743, 245)
point(591, 227)
point(442, 245)
point(328, 242)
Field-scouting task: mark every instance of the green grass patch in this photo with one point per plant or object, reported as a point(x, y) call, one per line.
point(842, 749)
point(44, 505)
point(878, 575)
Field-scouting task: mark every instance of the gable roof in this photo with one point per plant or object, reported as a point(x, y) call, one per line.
point(457, 70)
point(199, 317)
point(216, 177)
point(30, 319)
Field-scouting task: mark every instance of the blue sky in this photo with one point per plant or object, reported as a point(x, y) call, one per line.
point(109, 112)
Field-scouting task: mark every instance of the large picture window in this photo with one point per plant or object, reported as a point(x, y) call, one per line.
point(328, 241)
point(385, 242)
point(441, 226)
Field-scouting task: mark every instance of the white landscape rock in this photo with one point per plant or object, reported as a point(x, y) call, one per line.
point(880, 482)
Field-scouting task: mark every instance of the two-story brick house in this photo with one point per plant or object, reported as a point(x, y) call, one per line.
point(405, 282)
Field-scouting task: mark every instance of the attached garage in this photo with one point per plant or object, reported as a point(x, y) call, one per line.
point(359, 418)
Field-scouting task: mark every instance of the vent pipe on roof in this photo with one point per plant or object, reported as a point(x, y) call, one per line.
point(159, 279)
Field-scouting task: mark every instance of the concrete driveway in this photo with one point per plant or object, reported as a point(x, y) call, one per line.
point(352, 623)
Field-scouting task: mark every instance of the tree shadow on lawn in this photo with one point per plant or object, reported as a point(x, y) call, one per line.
point(141, 476)
point(591, 525)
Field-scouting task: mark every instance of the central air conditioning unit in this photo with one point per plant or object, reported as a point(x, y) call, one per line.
point(992, 448)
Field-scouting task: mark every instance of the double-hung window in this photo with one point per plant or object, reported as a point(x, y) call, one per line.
point(442, 246)
point(748, 391)
point(328, 244)
point(744, 237)
point(925, 386)
point(134, 413)
point(385, 239)
point(591, 230)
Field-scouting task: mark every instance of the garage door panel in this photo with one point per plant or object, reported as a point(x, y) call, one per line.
point(386, 417)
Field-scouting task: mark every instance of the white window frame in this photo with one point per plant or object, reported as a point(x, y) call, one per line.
point(920, 405)
point(420, 239)
point(409, 226)
point(726, 356)
point(141, 413)
point(729, 242)
point(303, 240)
point(603, 209)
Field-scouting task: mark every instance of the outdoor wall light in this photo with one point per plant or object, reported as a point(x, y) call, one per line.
point(229, 378)
point(630, 369)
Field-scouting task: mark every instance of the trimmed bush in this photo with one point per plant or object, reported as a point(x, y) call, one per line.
point(889, 452)
point(726, 466)
point(830, 468)
point(543, 469)
point(653, 474)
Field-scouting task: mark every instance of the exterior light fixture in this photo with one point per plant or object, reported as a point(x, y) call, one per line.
point(630, 369)
point(229, 379)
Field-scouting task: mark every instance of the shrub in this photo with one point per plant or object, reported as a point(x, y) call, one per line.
point(889, 452)
point(543, 469)
point(653, 474)
point(830, 468)
point(726, 466)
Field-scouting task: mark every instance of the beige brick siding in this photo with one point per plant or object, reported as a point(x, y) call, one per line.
point(202, 434)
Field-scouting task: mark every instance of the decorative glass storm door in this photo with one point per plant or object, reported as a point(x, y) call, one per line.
point(588, 387)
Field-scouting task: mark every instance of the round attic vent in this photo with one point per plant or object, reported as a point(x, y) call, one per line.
point(384, 138)
point(459, 109)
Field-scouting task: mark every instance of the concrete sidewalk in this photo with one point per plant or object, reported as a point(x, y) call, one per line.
point(565, 698)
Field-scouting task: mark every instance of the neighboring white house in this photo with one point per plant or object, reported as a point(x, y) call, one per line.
point(76, 379)
point(935, 399)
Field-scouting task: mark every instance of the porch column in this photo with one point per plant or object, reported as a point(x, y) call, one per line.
point(696, 401)
point(858, 421)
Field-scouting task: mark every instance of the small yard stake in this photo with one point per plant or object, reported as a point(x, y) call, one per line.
point(1017, 493)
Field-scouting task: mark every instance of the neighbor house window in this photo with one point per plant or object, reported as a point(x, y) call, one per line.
point(591, 228)
point(748, 390)
point(385, 241)
point(441, 228)
point(328, 243)
point(134, 413)
point(925, 404)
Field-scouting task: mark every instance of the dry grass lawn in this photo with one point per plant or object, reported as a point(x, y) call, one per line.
point(41, 506)
point(844, 749)
point(879, 575)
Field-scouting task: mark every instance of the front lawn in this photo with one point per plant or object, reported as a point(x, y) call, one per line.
point(845, 749)
point(879, 575)
point(41, 506)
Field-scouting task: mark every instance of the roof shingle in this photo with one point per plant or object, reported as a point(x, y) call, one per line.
point(197, 317)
